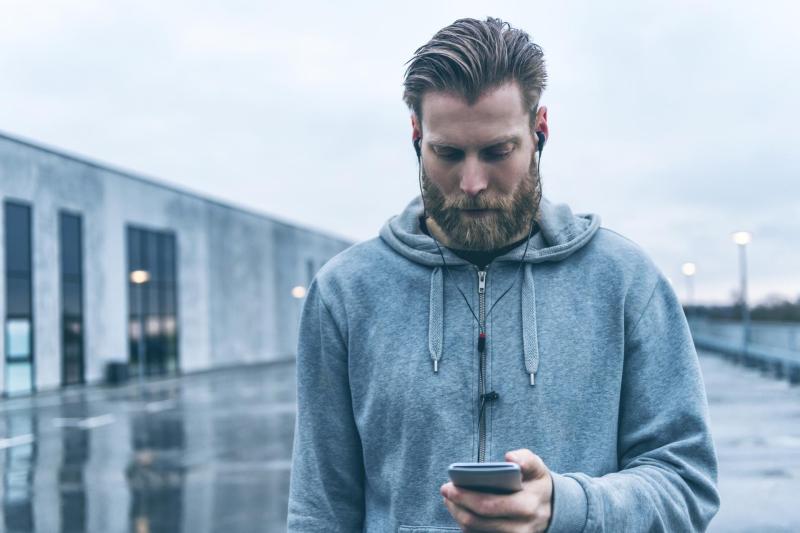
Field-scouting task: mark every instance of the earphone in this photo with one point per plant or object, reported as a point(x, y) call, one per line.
point(416, 140)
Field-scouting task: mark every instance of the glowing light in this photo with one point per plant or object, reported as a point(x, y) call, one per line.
point(140, 276)
point(299, 292)
point(742, 237)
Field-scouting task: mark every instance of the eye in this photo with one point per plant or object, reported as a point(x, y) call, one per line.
point(499, 153)
point(447, 153)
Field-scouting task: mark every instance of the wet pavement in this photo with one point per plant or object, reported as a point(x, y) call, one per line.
point(755, 420)
point(204, 453)
point(211, 452)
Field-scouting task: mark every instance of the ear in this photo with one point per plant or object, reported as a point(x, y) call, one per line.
point(541, 122)
point(416, 129)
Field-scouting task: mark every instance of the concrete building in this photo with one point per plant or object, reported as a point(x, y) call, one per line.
point(93, 255)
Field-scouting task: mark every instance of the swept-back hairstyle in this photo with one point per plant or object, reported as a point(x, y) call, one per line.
point(472, 56)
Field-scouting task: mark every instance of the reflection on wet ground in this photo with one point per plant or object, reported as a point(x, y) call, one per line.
point(211, 452)
point(207, 452)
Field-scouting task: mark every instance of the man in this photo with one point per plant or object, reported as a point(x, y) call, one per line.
point(489, 324)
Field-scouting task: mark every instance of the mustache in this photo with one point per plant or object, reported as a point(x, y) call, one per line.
point(477, 202)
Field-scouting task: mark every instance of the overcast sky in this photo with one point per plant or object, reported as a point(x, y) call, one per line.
point(677, 122)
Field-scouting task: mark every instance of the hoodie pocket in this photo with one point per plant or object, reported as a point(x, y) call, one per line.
point(425, 529)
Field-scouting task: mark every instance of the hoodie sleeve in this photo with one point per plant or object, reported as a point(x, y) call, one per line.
point(326, 488)
point(668, 465)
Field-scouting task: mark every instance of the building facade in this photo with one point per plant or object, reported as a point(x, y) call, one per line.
point(92, 256)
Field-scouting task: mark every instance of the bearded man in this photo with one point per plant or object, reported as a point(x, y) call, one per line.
point(487, 324)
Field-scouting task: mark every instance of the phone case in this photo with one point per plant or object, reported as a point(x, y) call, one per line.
point(499, 478)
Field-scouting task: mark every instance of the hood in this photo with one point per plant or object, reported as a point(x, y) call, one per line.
point(561, 233)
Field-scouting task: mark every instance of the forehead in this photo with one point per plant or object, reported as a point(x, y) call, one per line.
point(447, 118)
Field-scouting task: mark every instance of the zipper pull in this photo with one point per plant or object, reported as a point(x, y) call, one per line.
point(481, 281)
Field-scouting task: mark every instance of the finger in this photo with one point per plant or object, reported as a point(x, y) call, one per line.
point(516, 506)
point(531, 464)
point(474, 523)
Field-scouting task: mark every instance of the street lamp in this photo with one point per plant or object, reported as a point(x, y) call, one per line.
point(139, 278)
point(742, 239)
point(689, 270)
point(299, 292)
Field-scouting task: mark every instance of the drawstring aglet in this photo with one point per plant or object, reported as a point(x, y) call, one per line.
point(435, 366)
point(533, 379)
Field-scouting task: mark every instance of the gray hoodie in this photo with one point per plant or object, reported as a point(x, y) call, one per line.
point(589, 353)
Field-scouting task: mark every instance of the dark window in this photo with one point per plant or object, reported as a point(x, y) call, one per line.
point(18, 323)
point(71, 294)
point(152, 304)
point(18, 238)
point(135, 259)
point(18, 296)
point(71, 248)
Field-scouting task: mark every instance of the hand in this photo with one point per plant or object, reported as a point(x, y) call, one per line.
point(525, 511)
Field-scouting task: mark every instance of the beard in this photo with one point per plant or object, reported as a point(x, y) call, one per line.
point(514, 213)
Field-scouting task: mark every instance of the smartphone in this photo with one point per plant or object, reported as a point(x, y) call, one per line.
point(498, 478)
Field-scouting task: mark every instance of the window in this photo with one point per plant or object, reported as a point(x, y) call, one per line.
point(18, 322)
point(70, 245)
point(152, 304)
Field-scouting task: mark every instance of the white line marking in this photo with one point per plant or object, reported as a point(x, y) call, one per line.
point(66, 422)
point(96, 421)
point(157, 407)
point(15, 441)
point(85, 423)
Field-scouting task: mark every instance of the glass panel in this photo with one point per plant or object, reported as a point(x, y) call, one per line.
point(72, 330)
point(153, 305)
point(18, 339)
point(168, 323)
point(134, 299)
point(18, 237)
point(135, 261)
point(72, 351)
point(168, 304)
point(18, 377)
point(151, 255)
point(73, 364)
point(19, 296)
point(70, 245)
point(134, 327)
point(72, 299)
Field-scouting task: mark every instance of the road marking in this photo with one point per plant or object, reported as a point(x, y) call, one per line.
point(96, 421)
point(15, 441)
point(85, 423)
point(157, 407)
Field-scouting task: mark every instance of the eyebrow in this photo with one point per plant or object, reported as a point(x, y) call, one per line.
point(494, 142)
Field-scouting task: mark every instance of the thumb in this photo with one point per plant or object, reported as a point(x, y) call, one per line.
point(531, 464)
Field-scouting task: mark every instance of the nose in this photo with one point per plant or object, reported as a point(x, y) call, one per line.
point(474, 177)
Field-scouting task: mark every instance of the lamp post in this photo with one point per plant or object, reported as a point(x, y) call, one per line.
point(689, 270)
point(298, 293)
point(742, 239)
point(139, 278)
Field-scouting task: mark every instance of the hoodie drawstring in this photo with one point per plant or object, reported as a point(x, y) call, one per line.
point(436, 317)
point(530, 338)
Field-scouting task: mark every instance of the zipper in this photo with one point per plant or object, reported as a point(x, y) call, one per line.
point(482, 350)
